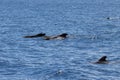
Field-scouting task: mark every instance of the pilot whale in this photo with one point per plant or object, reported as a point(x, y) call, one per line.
point(102, 60)
point(37, 35)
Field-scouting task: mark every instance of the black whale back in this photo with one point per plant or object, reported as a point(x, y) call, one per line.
point(37, 35)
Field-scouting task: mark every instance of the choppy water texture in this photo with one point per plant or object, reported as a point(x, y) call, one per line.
point(91, 35)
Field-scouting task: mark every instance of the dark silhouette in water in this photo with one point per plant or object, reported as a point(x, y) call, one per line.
point(113, 18)
point(34, 36)
point(61, 36)
point(102, 60)
point(43, 35)
point(108, 18)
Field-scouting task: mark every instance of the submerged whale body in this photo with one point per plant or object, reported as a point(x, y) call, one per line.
point(102, 60)
point(34, 36)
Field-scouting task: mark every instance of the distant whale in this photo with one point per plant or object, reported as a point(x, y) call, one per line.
point(37, 35)
point(113, 18)
point(61, 36)
point(108, 18)
point(102, 60)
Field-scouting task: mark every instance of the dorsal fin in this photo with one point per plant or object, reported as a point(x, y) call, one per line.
point(63, 35)
point(103, 58)
point(40, 34)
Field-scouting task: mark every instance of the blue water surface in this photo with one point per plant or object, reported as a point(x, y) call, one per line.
point(91, 36)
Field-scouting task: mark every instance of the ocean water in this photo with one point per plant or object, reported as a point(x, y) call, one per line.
point(91, 36)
